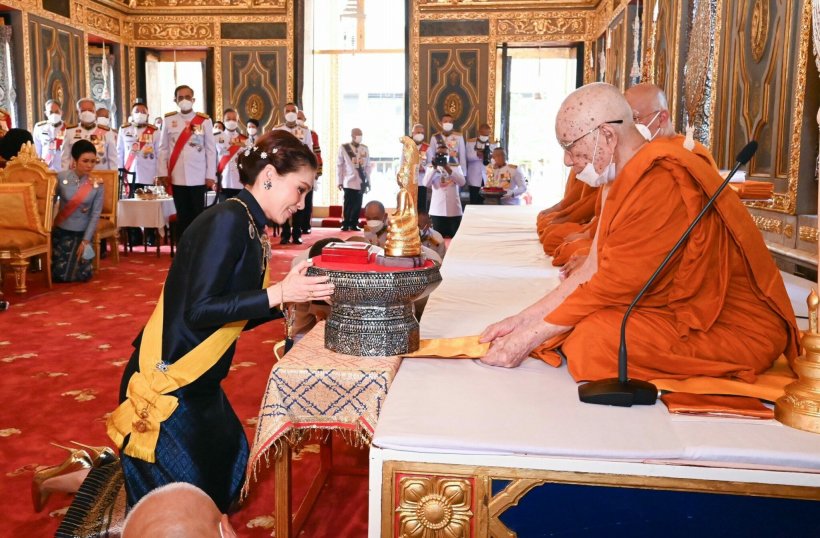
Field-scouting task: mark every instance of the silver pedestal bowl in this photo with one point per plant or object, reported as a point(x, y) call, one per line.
point(372, 313)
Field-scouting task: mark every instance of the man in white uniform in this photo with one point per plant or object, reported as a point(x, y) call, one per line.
point(187, 157)
point(456, 149)
point(49, 135)
point(479, 155)
point(293, 228)
point(136, 149)
point(228, 145)
point(508, 177)
point(353, 177)
point(88, 129)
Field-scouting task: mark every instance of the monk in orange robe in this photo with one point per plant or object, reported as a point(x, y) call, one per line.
point(568, 216)
point(719, 309)
point(650, 112)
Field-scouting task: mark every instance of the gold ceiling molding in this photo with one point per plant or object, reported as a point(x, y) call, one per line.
point(269, 5)
point(173, 31)
point(809, 234)
point(504, 5)
point(566, 25)
point(103, 22)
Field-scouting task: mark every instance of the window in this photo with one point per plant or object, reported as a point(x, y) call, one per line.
point(355, 77)
point(164, 71)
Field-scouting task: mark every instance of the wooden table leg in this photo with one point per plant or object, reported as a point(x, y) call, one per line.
point(282, 511)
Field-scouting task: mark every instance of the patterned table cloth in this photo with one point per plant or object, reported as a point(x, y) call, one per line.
point(313, 389)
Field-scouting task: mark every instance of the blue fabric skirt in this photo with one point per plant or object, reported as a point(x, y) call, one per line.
point(201, 443)
point(66, 266)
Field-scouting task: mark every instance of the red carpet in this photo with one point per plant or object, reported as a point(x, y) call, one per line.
point(62, 352)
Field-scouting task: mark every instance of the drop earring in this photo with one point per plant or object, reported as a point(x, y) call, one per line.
point(268, 184)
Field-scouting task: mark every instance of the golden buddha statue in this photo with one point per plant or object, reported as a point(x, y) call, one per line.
point(403, 238)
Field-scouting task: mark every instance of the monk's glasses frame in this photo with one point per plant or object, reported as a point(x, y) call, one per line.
point(568, 146)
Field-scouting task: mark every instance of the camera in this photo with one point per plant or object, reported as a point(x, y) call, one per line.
point(440, 159)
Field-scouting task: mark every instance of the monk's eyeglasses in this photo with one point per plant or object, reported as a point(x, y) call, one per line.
point(568, 146)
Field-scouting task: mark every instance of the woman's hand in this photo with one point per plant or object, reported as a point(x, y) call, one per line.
point(297, 287)
point(81, 248)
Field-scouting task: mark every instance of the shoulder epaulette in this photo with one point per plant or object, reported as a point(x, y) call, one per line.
point(39, 123)
point(512, 165)
point(124, 125)
point(203, 115)
point(72, 126)
point(103, 127)
point(170, 114)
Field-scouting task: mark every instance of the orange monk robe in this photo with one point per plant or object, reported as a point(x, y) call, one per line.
point(719, 309)
point(578, 208)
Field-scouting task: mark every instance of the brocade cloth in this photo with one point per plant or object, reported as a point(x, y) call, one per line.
point(313, 388)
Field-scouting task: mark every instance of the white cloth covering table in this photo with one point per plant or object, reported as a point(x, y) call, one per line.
point(462, 412)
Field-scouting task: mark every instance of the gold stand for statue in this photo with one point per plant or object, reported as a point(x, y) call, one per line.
point(800, 406)
point(403, 238)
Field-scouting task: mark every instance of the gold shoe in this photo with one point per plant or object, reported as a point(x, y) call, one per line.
point(78, 460)
point(100, 455)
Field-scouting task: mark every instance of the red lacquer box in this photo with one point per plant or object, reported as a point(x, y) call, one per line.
point(362, 253)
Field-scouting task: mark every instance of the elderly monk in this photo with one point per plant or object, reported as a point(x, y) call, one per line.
point(650, 113)
point(719, 309)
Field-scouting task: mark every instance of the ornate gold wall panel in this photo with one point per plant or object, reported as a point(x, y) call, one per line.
point(663, 54)
point(254, 83)
point(453, 81)
point(762, 85)
point(58, 59)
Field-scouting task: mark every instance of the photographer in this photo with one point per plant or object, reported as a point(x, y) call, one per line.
point(446, 178)
point(478, 157)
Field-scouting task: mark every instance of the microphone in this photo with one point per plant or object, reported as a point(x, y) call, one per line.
point(625, 392)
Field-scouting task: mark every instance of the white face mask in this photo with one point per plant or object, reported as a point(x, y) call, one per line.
point(88, 117)
point(55, 118)
point(290, 117)
point(374, 225)
point(140, 117)
point(103, 121)
point(301, 123)
point(185, 106)
point(251, 131)
point(447, 127)
point(231, 125)
point(590, 176)
point(418, 137)
point(644, 128)
point(483, 138)
point(357, 139)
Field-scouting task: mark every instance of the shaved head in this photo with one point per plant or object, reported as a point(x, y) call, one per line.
point(595, 125)
point(176, 510)
point(650, 107)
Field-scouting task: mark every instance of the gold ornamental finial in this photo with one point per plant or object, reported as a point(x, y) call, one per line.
point(799, 407)
point(403, 238)
point(814, 302)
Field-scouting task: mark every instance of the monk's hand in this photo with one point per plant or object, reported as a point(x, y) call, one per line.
point(499, 329)
point(509, 351)
point(571, 266)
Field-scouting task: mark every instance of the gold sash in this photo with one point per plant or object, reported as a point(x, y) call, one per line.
point(148, 403)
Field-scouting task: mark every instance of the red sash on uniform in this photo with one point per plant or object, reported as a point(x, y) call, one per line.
point(232, 150)
point(133, 154)
point(74, 203)
point(182, 140)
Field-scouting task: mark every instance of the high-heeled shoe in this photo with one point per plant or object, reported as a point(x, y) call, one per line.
point(100, 455)
point(77, 460)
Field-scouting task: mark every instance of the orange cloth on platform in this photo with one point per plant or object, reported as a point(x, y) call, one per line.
point(720, 309)
point(578, 208)
point(565, 251)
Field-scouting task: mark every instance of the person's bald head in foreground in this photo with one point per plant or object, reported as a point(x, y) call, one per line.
point(595, 127)
point(650, 108)
point(177, 510)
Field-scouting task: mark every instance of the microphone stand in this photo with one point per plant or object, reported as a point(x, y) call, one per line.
point(625, 392)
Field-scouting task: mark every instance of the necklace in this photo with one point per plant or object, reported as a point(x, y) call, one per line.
point(262, 237)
